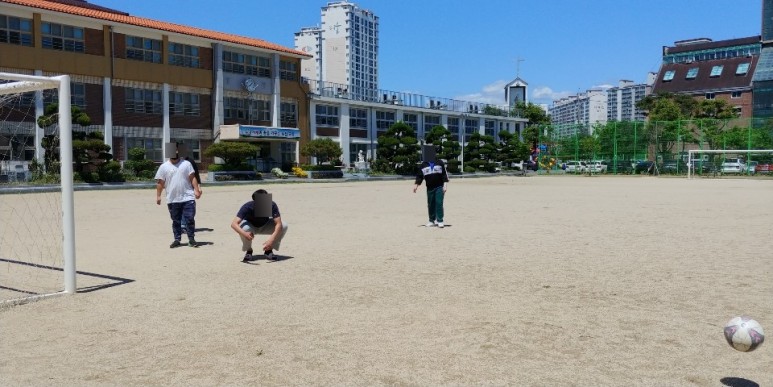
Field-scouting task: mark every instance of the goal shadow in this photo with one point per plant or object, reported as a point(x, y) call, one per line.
point(99, 285)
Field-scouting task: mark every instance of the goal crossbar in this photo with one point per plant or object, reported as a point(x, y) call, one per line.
point(27, 83)
point(691, 152)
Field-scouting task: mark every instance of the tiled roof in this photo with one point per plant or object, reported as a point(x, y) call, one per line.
point(703, 82)
point(82, 8)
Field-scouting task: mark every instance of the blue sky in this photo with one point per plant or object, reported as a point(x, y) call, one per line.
point(469, 49)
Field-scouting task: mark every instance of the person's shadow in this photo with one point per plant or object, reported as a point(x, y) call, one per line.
point(738, 382)
point(277, 258)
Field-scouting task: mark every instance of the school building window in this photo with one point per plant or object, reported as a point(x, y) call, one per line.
point(327, 115)
point(288, 114)
point(183, 55)
point(246, 64)
point(250, 110)
point(62, 37)
point(193, 145)
point(358, 118)
point(143, 101)
point(77, 95)
point(16, 30)
point(288, 71)
point(143, 49)
point(384, 120)
point(184, 104)
point(152, 147)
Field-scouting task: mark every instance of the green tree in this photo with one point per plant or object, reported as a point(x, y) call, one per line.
point(91, 156)
point(138, 165)
point(480, 153)
point(511, 149)
point(398, 150)
point(323, 149)
point(449, 147)
point(233, 153)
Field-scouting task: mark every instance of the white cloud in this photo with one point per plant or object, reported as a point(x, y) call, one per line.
point(493, 94)
point(546, 93)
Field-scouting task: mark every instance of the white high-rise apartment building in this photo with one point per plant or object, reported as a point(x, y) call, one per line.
point(621, 100)
point(344, 49)
point(579, 112)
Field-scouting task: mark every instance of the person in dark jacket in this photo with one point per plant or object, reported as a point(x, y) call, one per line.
point(433, 173)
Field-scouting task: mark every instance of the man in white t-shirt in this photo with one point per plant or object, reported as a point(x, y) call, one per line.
point(178, 177)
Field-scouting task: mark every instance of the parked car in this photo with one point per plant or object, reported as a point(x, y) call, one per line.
point(751, 167)
point(764, 168)
point(620, 167)
point(673, 167)
point(596, 167)
point(703, 167)
point(736, 165)
point(573, 166)
point(646, 166)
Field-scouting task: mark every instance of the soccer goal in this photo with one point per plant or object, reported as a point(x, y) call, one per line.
point(691, 155)
point(37, 230)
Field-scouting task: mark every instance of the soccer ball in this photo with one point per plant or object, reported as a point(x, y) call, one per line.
point(744, 333)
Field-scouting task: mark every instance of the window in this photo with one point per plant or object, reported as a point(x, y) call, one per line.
point(412, 120)
point(742, 69)
point(193, 145)
point(152, 147)
point(716, 71)
point(144, 49)
point(709, 95)
point(735, 94)
point(184, 104)
point(247, 109)
point(246, 64)
point(62, 37)
point(15, 30)
point(358, 118)
point(470, 127)
point(77, 95)
point(489, 128)
point(288, 71)
point(183, 55)
point(669, 75)
point(287, 150)
point(17, 147)
point(692, 73)
point(327, 115)
point(143, 101)
point(430, 122)
point(453, 126)
point(384, 120)
point(288, 114)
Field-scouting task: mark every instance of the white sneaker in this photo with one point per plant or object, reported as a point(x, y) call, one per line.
point(430, 224)
point(440, 225)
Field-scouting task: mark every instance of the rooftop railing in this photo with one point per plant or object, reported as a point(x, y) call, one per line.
point(397, 98)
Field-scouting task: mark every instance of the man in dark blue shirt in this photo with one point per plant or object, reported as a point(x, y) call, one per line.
point(249, 222)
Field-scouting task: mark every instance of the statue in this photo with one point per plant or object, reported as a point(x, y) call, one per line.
point(360, 157)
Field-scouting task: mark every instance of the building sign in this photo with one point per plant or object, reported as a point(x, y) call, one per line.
point(267, 132)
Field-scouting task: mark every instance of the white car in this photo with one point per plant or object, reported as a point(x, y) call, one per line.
point(575, 167)
point(597, 166)
point(733, 166)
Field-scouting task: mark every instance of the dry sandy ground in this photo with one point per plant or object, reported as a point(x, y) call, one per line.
point(538, 281)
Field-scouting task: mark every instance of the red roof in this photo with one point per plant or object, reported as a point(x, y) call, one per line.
point(82, 8)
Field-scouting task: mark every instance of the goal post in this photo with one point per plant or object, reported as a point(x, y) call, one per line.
point(13, 86)
point(692, 152)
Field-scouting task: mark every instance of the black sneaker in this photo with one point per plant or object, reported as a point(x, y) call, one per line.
point(192, 242)
point(248, 256)
point(270, 255)
point(175, 244)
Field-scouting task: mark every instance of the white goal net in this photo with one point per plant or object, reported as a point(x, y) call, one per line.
point(37, 248)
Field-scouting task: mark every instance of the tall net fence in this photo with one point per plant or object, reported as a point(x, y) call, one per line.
point(623, 145)
point(36, 224)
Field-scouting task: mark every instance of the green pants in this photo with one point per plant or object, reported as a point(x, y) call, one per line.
point(435, 204)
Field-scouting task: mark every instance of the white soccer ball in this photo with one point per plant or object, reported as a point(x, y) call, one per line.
point(744, 333)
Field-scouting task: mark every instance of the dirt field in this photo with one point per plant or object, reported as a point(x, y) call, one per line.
point(538, 281)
